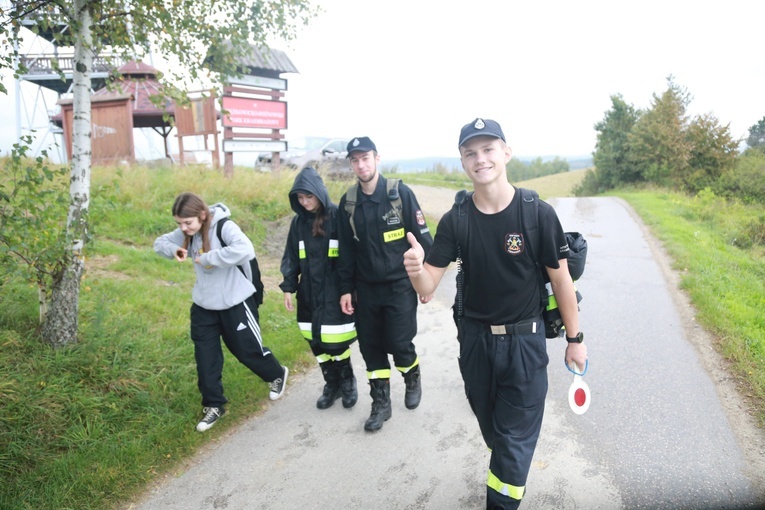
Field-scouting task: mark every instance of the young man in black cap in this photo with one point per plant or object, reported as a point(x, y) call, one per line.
point(503, 356)
point(375, 218)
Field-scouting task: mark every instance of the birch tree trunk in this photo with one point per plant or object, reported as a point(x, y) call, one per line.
point(61, 321)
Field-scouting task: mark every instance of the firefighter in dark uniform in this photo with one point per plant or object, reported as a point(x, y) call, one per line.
point(373, 281)
point(309, 267)
point(503, 348)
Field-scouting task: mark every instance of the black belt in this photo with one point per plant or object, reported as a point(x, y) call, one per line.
point(519, 328)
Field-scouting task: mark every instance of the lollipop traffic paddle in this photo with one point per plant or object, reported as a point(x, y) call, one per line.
point(579, 392)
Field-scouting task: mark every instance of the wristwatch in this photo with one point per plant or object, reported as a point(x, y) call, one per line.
point(578, 339)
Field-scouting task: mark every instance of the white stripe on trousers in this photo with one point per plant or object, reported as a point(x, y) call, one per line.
point(255, 328)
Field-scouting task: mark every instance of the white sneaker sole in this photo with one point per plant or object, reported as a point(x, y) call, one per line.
point(276, 396)
point(201, 427)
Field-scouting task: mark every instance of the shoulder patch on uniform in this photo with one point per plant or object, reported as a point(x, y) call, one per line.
point(420, 217)
point(514, 244)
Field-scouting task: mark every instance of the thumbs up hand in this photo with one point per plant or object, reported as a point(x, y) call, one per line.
point(413, 257)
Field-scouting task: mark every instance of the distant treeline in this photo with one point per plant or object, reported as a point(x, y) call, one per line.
point(517, 169)
point(664, 145)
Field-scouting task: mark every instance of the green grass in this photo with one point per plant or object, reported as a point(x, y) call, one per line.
point(453, 180)
point(557, 185)
point(91, 425)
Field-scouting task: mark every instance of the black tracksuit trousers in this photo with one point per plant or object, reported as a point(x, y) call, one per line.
point(506, 384)
point(240, 330)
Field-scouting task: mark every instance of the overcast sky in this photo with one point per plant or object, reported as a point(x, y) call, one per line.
point(410, 73)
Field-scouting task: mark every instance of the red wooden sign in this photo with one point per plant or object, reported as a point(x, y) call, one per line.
point(254, 113)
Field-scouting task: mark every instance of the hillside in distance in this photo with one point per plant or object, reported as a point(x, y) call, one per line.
point(429, 163)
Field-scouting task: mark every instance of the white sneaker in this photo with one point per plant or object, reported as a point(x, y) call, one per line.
point(211, 416)
point(277, 386)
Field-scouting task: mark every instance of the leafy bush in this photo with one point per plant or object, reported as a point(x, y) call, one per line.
point(592, 184)
point(664, 147)
point(33, 212)
point(746, 182)
point(751, 233)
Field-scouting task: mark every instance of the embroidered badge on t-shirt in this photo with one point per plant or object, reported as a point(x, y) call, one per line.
point(391, 218)
point(514, 244)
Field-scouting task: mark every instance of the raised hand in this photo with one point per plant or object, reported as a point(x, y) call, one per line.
point(414, 257)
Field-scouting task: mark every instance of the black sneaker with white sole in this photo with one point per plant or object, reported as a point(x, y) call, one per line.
point(211, 415)
point(277, 386)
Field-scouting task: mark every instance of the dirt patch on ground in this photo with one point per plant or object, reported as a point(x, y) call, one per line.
point(434, 201)
point(98, 267)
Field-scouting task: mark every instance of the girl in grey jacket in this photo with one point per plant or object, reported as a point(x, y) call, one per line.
point(224, 305)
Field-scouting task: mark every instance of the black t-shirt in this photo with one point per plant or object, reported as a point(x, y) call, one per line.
point(502, 285)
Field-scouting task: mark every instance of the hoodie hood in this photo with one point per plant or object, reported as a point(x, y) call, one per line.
point(309, 181)
point(219, 211)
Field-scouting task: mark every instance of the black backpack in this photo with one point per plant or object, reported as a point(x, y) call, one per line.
point(256, 281)
point(530, 224)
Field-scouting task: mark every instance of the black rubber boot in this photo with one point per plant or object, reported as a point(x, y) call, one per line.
point(379, 389)
point(413, 388)
point(332, 389)
point(347, 383)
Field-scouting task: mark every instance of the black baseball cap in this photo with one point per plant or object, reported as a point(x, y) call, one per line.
point(360, 144)
point(480, 127)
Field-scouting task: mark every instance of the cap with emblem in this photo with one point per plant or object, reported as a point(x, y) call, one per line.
point(480, 127)
point(361, 144)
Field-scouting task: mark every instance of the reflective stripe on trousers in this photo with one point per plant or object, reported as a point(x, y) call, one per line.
point(506, 385)
point(330, 334)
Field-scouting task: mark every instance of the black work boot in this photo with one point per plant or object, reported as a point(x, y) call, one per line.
point(413, 388)
point(347, 383)
point(332, 389)
point(379, 389)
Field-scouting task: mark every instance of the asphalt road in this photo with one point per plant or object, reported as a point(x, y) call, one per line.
point(665, 429)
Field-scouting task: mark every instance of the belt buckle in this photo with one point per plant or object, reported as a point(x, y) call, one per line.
point(498, 330)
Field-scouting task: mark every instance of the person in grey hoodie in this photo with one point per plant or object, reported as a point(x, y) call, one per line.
point(223, 296)
point(309, 267)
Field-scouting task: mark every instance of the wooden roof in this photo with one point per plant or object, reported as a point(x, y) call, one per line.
point(266, 62)
point(139, 80)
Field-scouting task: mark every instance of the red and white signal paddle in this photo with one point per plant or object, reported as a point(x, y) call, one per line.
point(579, 392)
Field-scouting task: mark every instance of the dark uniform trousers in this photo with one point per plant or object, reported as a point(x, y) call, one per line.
point(386, 322)
point(506, 384)
point(240, 330)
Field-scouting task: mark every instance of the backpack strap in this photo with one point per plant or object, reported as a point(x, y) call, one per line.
point(350, 205)
point(460, 228)
point(530, 220)
point(391, 190)
point(532, 237)
point(219, 230)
